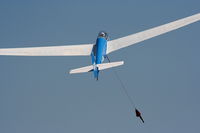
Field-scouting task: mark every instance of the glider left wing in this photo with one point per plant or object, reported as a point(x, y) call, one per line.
point(126, 41)
point(71, 50)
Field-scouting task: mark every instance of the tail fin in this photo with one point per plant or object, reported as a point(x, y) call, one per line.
point(100, 67)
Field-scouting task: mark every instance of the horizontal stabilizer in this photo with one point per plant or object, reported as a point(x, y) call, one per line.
point(81, 70)
point(100, 67)
point(109, 65)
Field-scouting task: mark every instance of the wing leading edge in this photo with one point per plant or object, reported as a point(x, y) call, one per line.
point(126, 41)
point(71, 50)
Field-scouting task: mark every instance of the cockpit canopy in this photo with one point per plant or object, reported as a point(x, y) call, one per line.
point(103, 34)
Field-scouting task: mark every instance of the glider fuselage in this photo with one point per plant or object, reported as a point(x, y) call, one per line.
point(99, 52)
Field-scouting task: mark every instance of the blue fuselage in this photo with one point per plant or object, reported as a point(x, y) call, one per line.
point(98, 54)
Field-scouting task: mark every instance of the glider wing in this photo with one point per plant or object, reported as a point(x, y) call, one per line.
point(71, 50)
point(119, 43)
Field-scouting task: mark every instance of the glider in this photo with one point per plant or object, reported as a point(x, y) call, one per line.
point(101, 48)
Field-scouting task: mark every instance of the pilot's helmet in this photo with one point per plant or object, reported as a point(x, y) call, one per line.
point(103, 34)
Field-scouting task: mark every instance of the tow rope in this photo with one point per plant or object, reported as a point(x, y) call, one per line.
point(123, 88)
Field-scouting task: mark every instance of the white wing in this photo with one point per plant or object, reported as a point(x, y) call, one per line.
point(147, 34)
point(72, 50)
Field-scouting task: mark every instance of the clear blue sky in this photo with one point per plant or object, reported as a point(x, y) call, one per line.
point(161, 74)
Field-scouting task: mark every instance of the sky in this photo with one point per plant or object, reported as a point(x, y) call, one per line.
point(37, 95)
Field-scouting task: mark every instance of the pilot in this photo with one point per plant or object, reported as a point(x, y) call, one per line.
point(103, 34)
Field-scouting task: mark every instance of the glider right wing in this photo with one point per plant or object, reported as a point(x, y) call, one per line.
point(70, 50)
point(126, 41)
